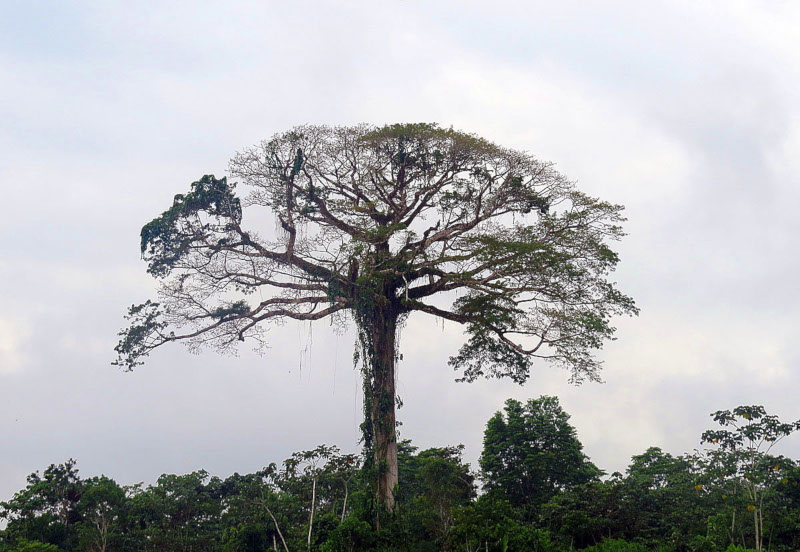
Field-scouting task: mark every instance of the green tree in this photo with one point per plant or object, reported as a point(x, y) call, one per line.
point(531, 452)
point(663, 499)
point(374, 223)
point(352, 535)
point(586, 514)
point(47, 509)
point(291, 507)
point(741, 457)
point(180, 512)
point(301, 475)
point(491, 524)
point(256, 513)
point(435, 483)
point(101, 507)
point(787, 502)
point(340, 475)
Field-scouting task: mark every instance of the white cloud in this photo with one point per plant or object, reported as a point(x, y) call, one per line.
point(13, 341)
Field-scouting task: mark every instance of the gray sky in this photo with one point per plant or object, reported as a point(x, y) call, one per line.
point(688, 113)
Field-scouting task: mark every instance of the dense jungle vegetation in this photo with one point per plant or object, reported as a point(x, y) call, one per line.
point(535, 490)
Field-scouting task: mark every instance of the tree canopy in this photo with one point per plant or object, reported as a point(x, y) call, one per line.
point(445, 210)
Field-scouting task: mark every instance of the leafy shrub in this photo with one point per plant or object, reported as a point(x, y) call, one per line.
point(528, 539)
point(702, 544)
point(33, 546)
point(616, 545)
point(352, 535)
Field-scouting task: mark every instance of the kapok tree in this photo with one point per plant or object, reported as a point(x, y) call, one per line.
point(374, 224)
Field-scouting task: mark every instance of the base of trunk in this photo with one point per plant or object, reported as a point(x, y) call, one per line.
point(387, 476)
point(380, 404)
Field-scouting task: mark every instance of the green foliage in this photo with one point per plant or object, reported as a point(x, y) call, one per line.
point(180, 511)
point(102, 509)
point(47, 510)
point(167, 239)
point(146, 327)
point(531, 452)
point(752, 427)
point(585, 514)
point(24, 545)
point(663, 503)
point(616, 545)
point(486, 353)
point(352, 535)
point(700, 543)
point(246, 538)
point(231, 309)
point(662, 499)
point(492, 523)
point(435, 482)
point(547, 263)
point(740, 466)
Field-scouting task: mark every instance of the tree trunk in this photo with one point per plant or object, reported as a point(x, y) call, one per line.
point(277, 528)
point(344, 506)
point(757, 536)
point(313, 501)
point(382, 335)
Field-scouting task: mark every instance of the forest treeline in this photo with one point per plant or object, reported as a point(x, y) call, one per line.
point(535, 490)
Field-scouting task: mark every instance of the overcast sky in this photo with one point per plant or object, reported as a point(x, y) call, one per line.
point(688, 113)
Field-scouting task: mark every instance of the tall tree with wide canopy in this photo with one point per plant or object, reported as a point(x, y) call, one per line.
point(374, 224)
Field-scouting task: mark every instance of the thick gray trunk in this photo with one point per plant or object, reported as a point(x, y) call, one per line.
point(383, 336)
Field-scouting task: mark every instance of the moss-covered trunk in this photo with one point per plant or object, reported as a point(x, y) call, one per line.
point(383, 337)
